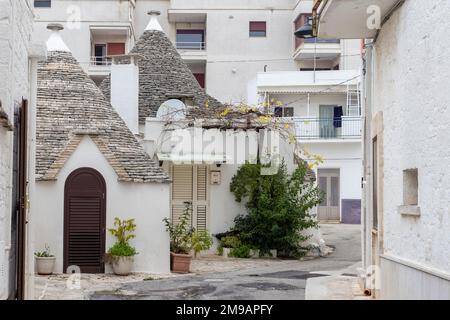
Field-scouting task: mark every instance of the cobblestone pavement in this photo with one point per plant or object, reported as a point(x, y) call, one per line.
point(215, 277)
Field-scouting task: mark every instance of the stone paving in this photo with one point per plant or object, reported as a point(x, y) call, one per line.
point(214, 277)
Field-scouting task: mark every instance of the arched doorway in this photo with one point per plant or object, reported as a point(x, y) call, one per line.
point(85, 220)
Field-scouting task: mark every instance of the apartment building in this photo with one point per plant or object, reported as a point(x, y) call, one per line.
point(241, 51)
point(406, 221)
point(323, 99)
point(18, 65)
point(225, 44)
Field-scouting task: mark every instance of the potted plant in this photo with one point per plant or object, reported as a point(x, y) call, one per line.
point(121, 254)
point(200, 240)
point(180, 241)
point(45, 261)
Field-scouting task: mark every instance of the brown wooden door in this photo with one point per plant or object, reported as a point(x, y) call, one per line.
point(85, 221)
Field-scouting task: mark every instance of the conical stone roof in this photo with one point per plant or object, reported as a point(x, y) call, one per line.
point(163, 75)
point(69, 107)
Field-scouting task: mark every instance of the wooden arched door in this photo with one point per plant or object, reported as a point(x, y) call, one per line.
point(85, 221)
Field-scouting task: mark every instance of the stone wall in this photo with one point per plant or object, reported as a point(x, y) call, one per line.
point(15, 28)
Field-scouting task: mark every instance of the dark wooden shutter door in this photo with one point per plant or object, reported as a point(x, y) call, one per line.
point(85, 220)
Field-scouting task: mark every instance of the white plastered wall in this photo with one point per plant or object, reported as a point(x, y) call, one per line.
point(148, 203)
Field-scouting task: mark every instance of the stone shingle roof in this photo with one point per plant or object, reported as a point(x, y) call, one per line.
point(163, 75)
point(69, 107)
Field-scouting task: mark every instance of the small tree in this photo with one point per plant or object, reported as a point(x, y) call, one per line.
point(278, 207)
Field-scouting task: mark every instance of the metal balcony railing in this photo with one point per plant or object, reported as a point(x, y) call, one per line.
point(345, 127)
point(100, 61)
point(191, 45)
point(319, 40)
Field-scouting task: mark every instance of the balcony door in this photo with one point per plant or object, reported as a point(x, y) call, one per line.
point(326, 126)
point(329, 181)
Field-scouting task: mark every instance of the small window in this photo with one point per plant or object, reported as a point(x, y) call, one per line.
point(410, 187)
point(42, 3)
point(258, 29)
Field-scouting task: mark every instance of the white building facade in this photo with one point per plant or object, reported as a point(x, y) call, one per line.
point(406, 239)
point(323, 101)
point(232, 48)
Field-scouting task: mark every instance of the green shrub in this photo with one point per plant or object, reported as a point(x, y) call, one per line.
point(220, 250)
point(201, 240)
point(278, 208)
point(122, 250)
point(243, 251)
point(230, 242)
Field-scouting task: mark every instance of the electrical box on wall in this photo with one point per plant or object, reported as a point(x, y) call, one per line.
point(215, 177)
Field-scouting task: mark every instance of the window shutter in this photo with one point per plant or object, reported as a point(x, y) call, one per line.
point(182, 190)
point(258, 26)
point(115, 49)
point(202, 185)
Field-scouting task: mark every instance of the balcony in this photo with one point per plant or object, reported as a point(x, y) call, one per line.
point(191, 43)
point(322, 48)
point(196, 46)
point(348, 19)
point(345, 128)
point(337, 81)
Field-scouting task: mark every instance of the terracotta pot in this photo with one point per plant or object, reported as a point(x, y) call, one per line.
point(122, 266)
point(180, 263)
point(45, 265)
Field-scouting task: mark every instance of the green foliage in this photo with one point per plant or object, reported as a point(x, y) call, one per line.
point(220, 250)
point(123, 231)
point(45, 253)
point(278, 208)
point(122, 250)
point(180, 232)
point(230, 242)
point(243, 251)
point(201, 240)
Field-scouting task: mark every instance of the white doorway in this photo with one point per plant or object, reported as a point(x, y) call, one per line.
point(329, 183)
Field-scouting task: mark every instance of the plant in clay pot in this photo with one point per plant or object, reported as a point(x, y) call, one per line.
point(180, 233)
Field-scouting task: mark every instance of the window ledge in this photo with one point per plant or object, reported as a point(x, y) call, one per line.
point(413, 211)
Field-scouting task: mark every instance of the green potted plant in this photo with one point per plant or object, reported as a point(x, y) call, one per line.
point(121, 254)
point(45, 261)
point(180, 241)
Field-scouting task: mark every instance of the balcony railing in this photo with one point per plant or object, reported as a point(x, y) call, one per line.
point(191, 46)
point(100, 61)
point(345, 127)
point(319, 40)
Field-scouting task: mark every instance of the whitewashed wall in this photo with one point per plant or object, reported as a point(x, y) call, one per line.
point(346, 156)
point(146, 202)
point(411, 88)
point(15, 28)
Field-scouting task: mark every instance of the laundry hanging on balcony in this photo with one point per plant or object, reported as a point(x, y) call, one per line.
point(337, 116)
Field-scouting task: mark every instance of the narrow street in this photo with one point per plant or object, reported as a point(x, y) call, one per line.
point(277, 280)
